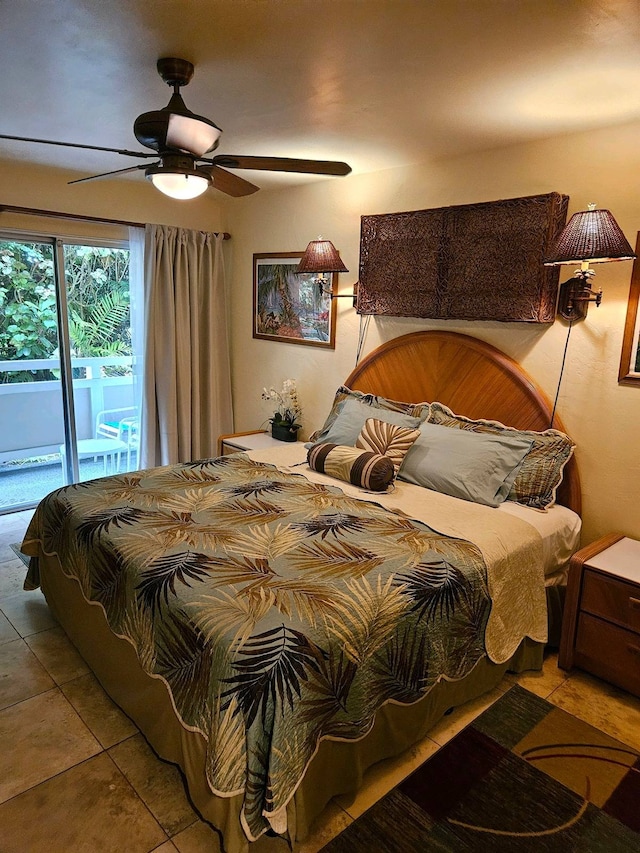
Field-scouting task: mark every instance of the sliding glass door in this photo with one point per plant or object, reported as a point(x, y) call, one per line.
point(67, 408)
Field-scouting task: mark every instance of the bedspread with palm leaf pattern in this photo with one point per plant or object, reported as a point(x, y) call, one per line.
point(278, 611)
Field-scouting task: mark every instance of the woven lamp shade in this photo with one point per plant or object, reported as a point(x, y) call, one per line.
point(590, 235)
point(321, 256)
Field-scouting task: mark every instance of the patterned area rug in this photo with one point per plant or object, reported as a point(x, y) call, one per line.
point(525, 776)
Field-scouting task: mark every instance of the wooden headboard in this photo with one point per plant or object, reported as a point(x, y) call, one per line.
point(470, 376)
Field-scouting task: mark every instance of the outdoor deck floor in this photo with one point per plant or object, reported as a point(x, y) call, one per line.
point(27, 485)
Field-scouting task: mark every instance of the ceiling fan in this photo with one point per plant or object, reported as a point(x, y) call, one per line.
point(180, 139)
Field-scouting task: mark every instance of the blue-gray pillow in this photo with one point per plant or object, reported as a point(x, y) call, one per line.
point(473, 466)
point(541, 472)
point(375, 402)
point(352, 416)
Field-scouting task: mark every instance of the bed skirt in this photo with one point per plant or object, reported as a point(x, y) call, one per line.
point(337, 767)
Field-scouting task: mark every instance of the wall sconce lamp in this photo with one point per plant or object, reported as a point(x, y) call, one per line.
point(321, 257)
point(589, 236)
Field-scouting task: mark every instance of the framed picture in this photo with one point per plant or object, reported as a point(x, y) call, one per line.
point(630, 358)
point(290, 307)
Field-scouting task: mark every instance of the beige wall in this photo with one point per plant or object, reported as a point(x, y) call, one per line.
point(602, 416)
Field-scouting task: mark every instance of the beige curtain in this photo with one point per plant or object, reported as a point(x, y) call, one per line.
point(187, 387)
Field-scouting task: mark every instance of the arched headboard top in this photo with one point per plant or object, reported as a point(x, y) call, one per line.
point(470, 376)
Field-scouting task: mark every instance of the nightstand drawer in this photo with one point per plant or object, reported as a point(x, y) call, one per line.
point(612, 599)
point(608, 651)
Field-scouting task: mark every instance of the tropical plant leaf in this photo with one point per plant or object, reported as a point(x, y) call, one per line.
point(233, 570)
point(284, 767)
point(256, 785)
point(217, 615)
point(192, 500)
point(335, 560)
point(270, 671)
point(184, 661)
point(367, 616)
point(267, 542)
point(335, 523)
point(307, 600)
point(463, 554)
point(320, 498)
point(160, 578)
point(395, 524)
point(102, 522)
point(435, 586)
point(109, 583)
point(122, 489)
point(254, 488)
point(402, 667)
point(138, 626)
point(91, 336)
point(175, 528)
point(227, 747)
point(54, 519)
point(404, 551)
point(141, 546)
point(331, 685)
point(194, 475)
point(241, 512)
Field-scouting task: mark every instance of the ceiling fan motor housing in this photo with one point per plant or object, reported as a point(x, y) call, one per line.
point(174, 71)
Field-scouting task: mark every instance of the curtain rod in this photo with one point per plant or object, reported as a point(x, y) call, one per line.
point(59, 214)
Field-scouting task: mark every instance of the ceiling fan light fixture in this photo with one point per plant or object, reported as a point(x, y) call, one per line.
point(179, 182)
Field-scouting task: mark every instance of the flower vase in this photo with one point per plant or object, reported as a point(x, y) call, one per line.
point(282, 431)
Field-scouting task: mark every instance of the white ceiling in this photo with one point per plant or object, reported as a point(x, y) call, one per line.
point(378, 83)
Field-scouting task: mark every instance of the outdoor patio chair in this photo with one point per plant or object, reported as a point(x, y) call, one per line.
point(122, 425)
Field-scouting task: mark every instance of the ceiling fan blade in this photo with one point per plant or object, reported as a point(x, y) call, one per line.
point(108, 174)
point(228, 183)
point(124, 151)
point(282, 164)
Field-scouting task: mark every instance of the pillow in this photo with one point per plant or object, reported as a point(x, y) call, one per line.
point(374, 405)
point(537, 481)
point(350, 417)
point(387, 439)
point(473, 466)
point(359, 467)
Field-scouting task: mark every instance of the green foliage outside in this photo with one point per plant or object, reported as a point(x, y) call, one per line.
point(98, 300)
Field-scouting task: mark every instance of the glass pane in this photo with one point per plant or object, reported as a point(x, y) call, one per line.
point(98, 302)
point(31, 412)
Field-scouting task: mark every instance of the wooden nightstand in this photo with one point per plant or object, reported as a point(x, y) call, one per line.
point(601, 625)
point(253, 440)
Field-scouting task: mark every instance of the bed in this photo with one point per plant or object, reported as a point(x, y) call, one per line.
point(273, 630)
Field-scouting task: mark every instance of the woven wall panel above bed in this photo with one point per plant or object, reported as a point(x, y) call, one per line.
point(467, 262)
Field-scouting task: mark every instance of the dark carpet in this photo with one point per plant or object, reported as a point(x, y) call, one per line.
point(524, 776)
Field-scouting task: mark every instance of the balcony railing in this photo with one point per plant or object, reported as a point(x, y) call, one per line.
point(31, 413)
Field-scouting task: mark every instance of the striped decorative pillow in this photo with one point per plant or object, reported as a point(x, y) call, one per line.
point(387, 439)
point(359, 467)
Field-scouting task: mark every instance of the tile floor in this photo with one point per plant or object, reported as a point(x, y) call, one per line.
point(76, 775)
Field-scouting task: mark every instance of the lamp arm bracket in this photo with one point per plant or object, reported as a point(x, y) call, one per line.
point(331, 295)
point(575, 294)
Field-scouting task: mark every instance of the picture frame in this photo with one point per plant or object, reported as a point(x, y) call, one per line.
point(292, 308)
point(629, 373)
